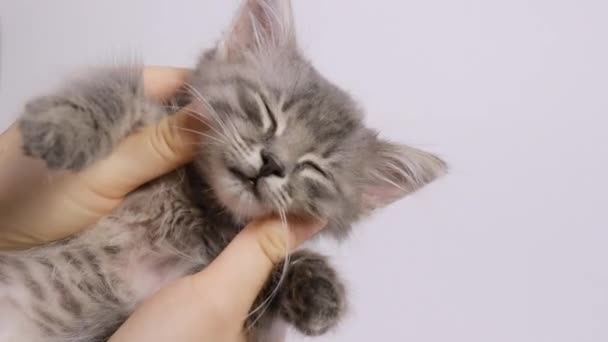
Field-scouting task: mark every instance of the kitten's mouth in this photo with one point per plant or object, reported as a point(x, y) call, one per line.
point(249, 182)
point(248, 199)
point(253, 197)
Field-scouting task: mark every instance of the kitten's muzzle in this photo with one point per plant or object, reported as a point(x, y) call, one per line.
point(271, 166)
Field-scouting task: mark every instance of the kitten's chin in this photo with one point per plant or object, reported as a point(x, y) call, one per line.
point(248, 213)
point(239, 201)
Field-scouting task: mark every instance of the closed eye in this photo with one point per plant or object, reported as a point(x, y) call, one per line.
point(313, 166)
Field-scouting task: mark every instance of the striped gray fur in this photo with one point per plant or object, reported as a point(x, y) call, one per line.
point(67, 301)
point(24, 270)
point(51, 320)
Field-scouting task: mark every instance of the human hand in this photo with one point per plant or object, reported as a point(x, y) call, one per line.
point(37, 206)
point(213, 304)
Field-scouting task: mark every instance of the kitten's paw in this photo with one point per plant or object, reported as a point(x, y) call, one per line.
point(60, 132)
point(313, 299)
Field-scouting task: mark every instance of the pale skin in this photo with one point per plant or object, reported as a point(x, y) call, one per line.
point(37, 207)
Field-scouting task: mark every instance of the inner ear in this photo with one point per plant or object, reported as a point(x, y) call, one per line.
point(394, 171)
point(260, 25)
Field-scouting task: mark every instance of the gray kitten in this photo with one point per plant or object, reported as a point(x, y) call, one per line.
point(282, 139)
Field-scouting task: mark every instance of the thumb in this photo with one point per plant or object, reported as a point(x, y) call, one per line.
point(210, 305)
point(242, 269)
point(145, 155)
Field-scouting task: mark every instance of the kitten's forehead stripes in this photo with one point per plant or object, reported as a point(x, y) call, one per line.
point(333, 127)
point(269, 122)
point(249, 105)
point(332, 132)
point(330, 149)
point(258, 108)
point(280, 123)
point(298, 97)
point(235, 81)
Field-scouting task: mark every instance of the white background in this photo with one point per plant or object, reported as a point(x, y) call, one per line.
point(512, 245)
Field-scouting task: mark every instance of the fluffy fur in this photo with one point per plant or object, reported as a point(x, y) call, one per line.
point(282, 139)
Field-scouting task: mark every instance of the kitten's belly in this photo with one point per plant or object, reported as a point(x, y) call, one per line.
point(146, 272)
point(136, 265)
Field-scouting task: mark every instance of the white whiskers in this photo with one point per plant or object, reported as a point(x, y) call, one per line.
point(262, 307)
point(211, 111)
point(199, 133)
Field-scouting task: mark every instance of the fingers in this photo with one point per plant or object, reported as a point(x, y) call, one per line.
point(211, 305)
point(241, 270)
point(146, 155)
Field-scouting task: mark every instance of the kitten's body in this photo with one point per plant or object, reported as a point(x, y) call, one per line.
point(106, 270)
point(281, 139)
point(81, 289)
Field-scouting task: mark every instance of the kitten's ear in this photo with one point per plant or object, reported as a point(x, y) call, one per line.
point(260, 25)
point(396, 171)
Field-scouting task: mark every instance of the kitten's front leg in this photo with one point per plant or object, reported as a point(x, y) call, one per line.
point(83, 121)
point(311, 296)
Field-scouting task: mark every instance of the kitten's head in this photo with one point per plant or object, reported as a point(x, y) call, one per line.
point(284, 139)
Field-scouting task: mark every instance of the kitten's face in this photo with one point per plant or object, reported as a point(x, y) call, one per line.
point(285, 140)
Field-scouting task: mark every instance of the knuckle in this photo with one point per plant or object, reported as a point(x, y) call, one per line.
point(165, 142)
point(273, 242)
